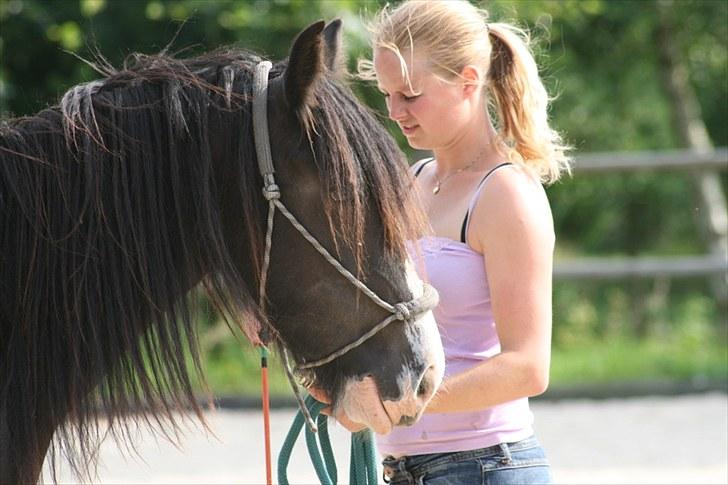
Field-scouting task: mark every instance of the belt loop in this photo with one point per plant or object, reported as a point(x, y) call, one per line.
point(390, 467)
point(505, 449)
point(396, 468)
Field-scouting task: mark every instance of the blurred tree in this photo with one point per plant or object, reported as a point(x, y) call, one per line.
point(601, 62)
point(599, 59)
point(39, 39)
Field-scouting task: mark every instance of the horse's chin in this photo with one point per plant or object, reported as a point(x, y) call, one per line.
point(362, 404)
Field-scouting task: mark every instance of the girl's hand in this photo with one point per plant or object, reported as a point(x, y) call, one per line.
point(342, 418)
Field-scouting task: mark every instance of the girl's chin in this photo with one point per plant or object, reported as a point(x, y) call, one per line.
point(418, 144)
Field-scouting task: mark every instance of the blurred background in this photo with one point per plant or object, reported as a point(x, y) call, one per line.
point(640, 301)
point(641, 92)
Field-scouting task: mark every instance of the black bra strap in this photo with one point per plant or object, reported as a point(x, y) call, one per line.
point(464, 226)
point(482, 181)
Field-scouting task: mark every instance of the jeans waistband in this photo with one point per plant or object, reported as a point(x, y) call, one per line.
point(418, 464)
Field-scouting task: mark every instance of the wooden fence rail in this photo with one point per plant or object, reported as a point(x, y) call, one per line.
point(652, 160)
point(714, 264)
point(642, 267)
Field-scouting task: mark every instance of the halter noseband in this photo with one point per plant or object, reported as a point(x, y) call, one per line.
point(404, 311)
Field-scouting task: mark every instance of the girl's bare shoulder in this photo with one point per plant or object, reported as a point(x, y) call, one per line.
point(513, 200)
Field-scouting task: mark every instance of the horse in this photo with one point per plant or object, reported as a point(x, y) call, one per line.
point(140, 188)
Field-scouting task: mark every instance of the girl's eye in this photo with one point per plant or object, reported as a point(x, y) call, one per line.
point(411, 96)
point(404, 97)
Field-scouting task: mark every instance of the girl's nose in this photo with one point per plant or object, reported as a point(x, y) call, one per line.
point(395, 109)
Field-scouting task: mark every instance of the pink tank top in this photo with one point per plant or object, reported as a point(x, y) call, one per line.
point(467, 329)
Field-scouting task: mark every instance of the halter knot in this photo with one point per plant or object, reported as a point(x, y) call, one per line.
point(271, 192)
point(403, 312)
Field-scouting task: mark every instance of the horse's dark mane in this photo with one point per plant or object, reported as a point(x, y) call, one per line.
point(110, 215)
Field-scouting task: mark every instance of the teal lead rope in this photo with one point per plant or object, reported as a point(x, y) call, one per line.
point(363, 464)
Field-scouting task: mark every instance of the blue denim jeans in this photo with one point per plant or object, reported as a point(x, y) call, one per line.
point(522, 462)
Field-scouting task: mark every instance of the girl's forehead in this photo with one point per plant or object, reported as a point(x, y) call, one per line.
point(394, 70)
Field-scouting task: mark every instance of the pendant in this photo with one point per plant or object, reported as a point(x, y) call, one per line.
point(436, 189)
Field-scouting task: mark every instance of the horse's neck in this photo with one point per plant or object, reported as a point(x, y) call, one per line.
point(23, 466)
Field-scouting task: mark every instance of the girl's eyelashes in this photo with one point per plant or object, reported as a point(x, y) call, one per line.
point(404, 97)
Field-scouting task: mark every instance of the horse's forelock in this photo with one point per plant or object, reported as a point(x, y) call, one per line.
point(361, 165)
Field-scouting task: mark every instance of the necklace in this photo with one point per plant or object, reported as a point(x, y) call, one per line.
point(439, 183)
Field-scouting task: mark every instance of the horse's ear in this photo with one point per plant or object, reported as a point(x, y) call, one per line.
point(305, 65)
point(332, 38)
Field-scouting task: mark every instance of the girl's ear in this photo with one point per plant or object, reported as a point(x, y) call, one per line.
point(472, 79)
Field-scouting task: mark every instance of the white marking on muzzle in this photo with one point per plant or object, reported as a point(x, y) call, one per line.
point(361, 401)
point(362, 404)
point(424, 338)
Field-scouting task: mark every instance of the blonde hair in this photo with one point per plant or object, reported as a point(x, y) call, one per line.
point(454, 34)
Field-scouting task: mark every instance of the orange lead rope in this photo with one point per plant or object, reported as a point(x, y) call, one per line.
point(266, 412)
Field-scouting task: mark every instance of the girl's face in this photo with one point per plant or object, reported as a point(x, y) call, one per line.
point(432, 112)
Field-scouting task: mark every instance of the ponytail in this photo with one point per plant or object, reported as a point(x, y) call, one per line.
point(521, 102)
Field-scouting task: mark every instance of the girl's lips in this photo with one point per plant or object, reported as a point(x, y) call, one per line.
point(409, 129)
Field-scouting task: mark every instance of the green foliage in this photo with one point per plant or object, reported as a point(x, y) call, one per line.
point(233, 367)
point(691, 353)
point(599, 60)
point(39, 37)
point(623, 359)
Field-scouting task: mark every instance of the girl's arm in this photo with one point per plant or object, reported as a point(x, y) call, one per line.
point(512, 227)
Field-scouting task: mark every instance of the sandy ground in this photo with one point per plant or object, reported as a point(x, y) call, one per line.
point(665, 440)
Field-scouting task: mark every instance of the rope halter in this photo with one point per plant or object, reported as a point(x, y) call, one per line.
point(406, 312)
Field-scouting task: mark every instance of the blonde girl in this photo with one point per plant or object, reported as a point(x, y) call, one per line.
point(469, 90)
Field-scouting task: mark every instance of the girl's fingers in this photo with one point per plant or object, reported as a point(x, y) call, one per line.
point(319, 394)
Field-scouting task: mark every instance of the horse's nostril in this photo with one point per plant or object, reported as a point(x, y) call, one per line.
point(425, 386)
point(407, 420)
point(422, 388)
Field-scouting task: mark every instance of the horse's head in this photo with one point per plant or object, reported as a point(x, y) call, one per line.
point(139, 185)
point(343, 177)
